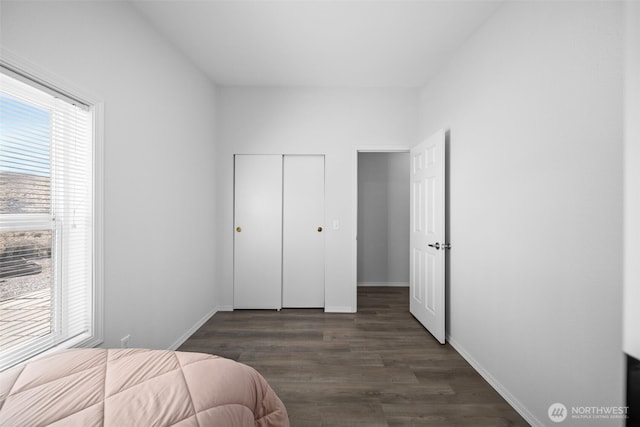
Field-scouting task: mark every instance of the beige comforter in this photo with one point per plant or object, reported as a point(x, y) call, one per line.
point(136, 387)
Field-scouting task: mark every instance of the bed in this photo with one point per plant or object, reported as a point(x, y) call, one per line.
point(137, 387)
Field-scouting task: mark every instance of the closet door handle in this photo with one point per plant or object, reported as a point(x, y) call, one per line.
point(319, 229)
point(238, 229)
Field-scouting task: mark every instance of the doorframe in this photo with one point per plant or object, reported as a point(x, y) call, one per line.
point(358, 150)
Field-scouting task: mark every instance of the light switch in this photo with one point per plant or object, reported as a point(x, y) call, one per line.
point(336, 224)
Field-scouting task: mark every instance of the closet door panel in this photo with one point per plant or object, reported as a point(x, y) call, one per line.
point(257, 280)
point(303, 232)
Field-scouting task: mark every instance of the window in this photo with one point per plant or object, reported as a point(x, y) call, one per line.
point(48, 282)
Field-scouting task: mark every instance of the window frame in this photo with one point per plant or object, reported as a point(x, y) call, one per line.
point(45, 80)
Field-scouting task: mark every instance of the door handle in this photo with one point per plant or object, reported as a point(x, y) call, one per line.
point(319, 229)
point(440, 246)
point(239, 229)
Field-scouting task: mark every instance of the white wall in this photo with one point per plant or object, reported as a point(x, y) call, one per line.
point(310, 121)
point(159, 151)
point(383, 218)
point(632, 182)
point(534, 104)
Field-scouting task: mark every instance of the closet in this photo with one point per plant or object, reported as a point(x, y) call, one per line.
point(279, 231)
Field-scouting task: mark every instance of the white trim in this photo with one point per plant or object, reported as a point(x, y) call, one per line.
point(502, 391)
point(381, 284)
point(82, 341)
point(42, 75)
point(184, 337)
point(98, 225)
point(339, 309)
point(224, 308)
point(383, 149)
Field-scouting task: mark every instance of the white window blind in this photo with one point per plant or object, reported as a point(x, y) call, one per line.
point(46, 220)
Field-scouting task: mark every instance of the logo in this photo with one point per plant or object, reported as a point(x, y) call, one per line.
point(557, 412)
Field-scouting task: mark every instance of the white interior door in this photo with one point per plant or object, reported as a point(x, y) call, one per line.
point(257, 262)
point(303, 232)
point(427, 234)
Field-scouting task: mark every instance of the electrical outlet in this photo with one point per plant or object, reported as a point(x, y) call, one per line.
point(124, 341)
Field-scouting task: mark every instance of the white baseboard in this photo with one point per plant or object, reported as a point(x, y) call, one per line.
point(394, 284)
point(502, 391)
point(224, 308)
point(339, 309)
point(192, 330)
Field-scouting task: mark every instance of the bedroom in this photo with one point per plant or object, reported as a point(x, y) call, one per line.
point(528, 287)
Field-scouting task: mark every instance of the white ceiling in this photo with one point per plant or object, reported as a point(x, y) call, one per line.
point(344, 43)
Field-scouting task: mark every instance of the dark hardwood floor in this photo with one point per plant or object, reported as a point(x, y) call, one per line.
point(377, 367)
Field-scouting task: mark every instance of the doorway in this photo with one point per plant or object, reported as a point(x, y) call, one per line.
point(427, 228)
point(383, 218)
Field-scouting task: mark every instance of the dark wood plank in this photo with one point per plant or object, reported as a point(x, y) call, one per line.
point(377, 367)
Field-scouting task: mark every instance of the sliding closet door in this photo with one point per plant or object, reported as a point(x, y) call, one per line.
point(303, 232)
point(257, 280)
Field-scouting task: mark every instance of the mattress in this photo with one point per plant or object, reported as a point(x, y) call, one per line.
point(137, 387)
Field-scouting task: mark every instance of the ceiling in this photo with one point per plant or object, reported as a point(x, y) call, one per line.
point(324, 43)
